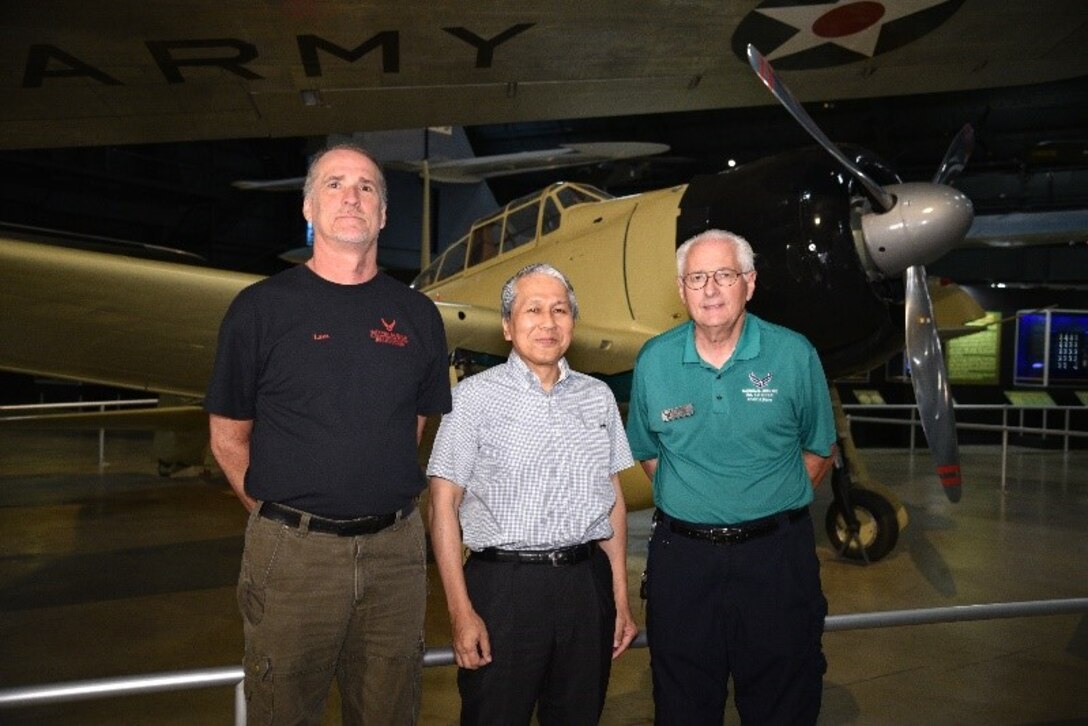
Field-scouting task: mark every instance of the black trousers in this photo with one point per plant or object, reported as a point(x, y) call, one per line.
point(551, 634)
point(754, 611)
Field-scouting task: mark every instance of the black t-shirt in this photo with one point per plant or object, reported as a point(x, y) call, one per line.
point(333, 377)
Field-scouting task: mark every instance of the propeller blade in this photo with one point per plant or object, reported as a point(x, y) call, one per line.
point(928, 220)
point(959, 151)
point(766, 73)
point(930, 379)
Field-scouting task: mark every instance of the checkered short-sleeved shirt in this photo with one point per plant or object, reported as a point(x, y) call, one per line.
point(535, 464)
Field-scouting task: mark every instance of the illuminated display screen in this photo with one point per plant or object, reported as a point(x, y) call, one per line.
point(1051, 348)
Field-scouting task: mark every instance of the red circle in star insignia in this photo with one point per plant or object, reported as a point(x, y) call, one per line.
point(848, 19)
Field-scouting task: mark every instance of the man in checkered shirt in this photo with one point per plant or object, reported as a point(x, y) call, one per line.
point(524, 472)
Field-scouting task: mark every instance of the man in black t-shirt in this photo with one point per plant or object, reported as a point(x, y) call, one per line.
point(323, 380)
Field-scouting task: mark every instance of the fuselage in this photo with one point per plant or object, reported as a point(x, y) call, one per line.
point(796, 209)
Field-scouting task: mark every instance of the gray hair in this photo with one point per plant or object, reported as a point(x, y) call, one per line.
point(509, 290)
point(746, 258)
point(311, 176)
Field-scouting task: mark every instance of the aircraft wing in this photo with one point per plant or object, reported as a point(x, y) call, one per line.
point(167, 418)
point(476, 169)
point(471, 171)
point(151, 325)
point(74, 73)
point(1018, 229)
point(111, 319)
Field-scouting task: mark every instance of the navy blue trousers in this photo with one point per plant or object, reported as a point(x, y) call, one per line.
point(752, 611)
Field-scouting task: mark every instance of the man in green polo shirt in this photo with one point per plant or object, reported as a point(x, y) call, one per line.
point(731, 418)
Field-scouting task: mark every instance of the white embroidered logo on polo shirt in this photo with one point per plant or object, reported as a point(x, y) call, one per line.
point(759, 382)
point(761, 393)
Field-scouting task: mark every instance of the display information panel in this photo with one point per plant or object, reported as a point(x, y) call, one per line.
point(1030, 399)
point(975, 358)
point(1051, 348)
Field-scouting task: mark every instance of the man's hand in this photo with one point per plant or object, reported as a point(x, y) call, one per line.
point(471, 646)
point(625, 631)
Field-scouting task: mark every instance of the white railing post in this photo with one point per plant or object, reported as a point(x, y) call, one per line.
point(102, 441)
point(1004, 446)
point(913, 428)
point(240, 703)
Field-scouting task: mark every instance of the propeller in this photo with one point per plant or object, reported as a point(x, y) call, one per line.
point(910, 225)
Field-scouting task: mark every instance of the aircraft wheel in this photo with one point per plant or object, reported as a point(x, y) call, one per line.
point(878, 528)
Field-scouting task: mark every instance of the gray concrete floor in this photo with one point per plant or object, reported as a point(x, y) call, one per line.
point(115, 571)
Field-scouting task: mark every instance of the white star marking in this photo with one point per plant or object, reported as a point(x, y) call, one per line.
point(862, 41)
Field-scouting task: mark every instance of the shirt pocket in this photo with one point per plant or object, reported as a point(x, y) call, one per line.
point(493, 462)
point(589, 442)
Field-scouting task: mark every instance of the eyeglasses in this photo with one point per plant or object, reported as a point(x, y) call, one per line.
point(723, 277)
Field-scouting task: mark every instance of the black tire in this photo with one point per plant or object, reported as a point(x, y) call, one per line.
point(879, 528)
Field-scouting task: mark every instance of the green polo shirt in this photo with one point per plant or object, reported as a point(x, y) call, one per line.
point(728, 441)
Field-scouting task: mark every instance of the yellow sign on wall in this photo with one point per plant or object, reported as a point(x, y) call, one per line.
point(975, 358)
point(1030, 399)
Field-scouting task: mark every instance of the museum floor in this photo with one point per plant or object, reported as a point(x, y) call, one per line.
point(117, 572)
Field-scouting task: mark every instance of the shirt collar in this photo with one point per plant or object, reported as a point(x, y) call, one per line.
point(521, 372)
point(747, 345)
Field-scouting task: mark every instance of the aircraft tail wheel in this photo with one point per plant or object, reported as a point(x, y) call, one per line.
point(878, 529)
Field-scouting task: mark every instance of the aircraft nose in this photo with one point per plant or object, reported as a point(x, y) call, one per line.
point(927, 221)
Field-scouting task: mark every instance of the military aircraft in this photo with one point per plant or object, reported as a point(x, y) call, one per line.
point(831, 231)
point(74, 73)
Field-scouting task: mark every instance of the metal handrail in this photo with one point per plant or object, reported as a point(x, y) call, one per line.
point(231, 676)
point(119, 403)
point(100, 405)
point(1003, 428)
point(974, 426)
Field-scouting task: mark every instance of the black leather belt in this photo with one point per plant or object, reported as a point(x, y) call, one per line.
point(556, 558)
point(339, 527)
point(734, 533)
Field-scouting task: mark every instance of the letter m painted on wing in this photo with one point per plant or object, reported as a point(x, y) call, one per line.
point(387, 40)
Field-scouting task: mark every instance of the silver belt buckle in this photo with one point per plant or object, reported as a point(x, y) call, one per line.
point(554, 557)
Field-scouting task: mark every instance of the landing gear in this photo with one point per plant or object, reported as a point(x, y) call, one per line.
point(864, 520)
point(866, 529)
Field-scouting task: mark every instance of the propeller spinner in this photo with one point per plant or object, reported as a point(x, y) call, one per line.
point(910, 225)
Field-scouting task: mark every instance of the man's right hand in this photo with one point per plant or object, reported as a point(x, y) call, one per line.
point(471, 646)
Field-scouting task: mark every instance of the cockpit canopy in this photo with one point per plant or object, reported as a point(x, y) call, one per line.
point(520, 222)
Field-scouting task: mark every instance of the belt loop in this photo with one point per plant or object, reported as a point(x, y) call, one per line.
point(304, 523)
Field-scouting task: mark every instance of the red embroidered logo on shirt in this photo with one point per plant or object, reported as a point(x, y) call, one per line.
point(321, 336)
point(387, 336)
